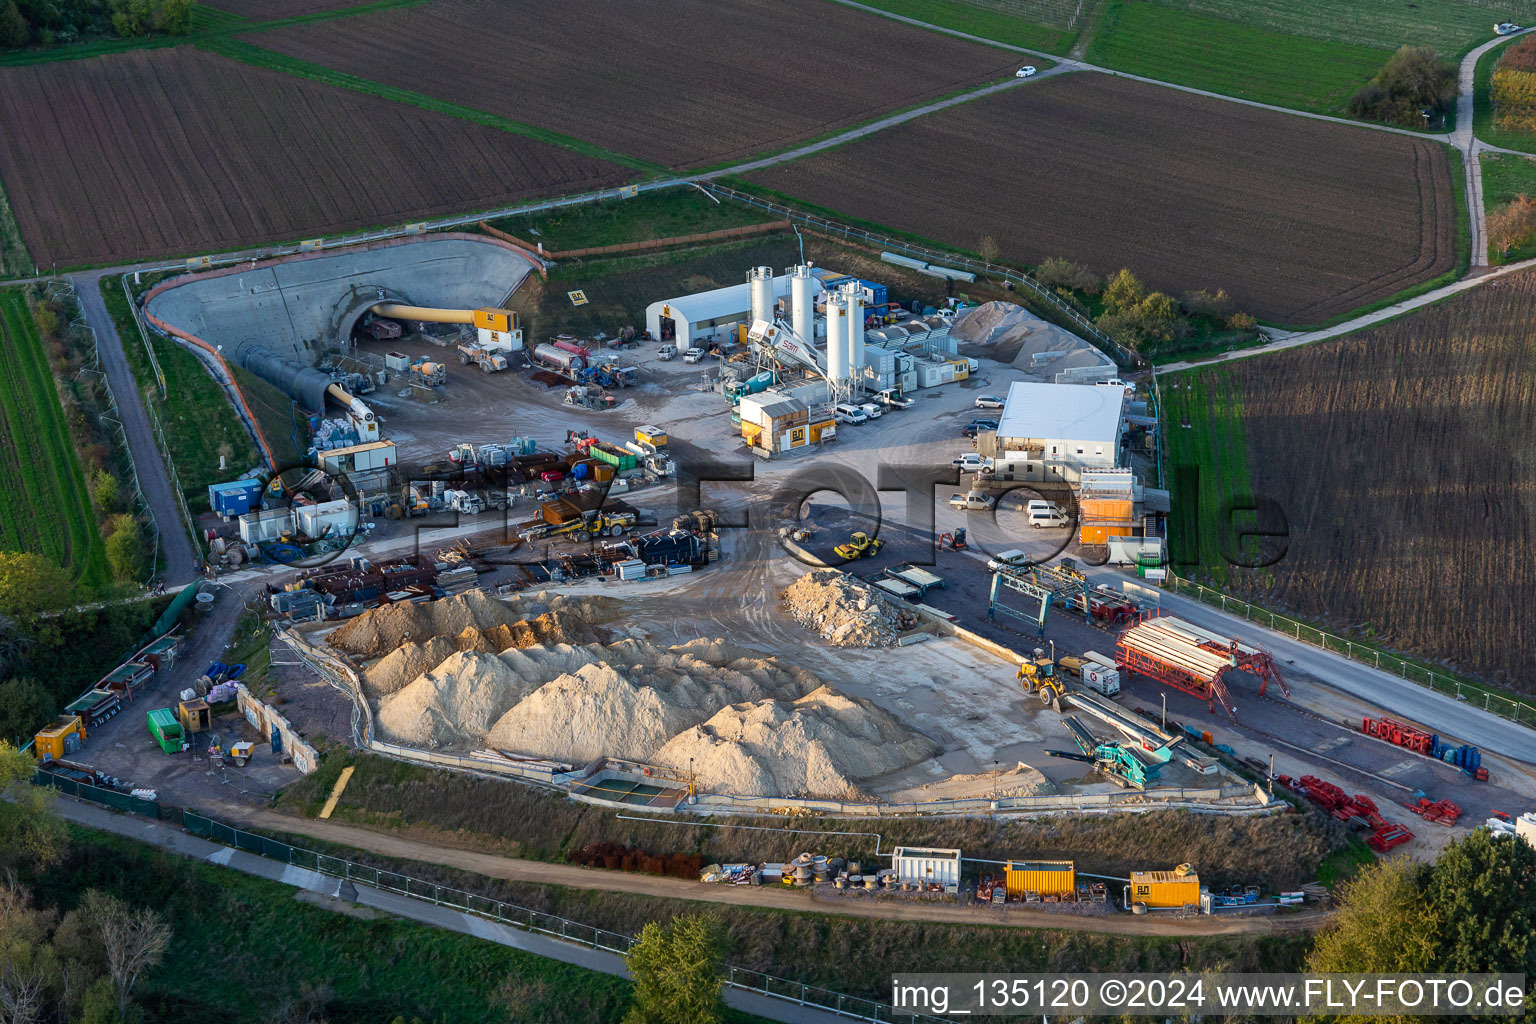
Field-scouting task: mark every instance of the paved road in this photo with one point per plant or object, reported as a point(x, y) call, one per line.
point(177, 841)
point(154, 481)
point(1446, 715)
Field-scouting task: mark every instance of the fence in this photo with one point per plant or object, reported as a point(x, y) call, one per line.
point(528, 919)
point(1505, 707)
point(1082, 323)
point(106, 797)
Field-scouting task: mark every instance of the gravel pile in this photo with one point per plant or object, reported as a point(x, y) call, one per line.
point(845, 611)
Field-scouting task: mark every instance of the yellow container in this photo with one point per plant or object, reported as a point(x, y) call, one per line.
point(827, 428)
point(651, 435)
point(752, 432)
point(1100, 533)
point(962, 369)
point(1106, 509)
point(1047, 877)
point(1164, 888)
point(56, 740)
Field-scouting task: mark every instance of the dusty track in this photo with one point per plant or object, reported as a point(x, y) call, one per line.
point(768, 897)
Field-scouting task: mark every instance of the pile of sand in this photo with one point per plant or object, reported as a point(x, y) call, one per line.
point(405, 663)
point(817, 746)
point(475, 621)
point(628, 699)
point(844, 610)
point(1031, 343)
point(454, 705)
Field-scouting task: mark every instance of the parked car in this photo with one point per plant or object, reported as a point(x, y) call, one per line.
point(1003, 559)
point(1047, 518)
point(871, 410)
point(666, 353)
point(975, 501)
point(845, 413)
point(693, 355)
point(989, 402)
point(975, 427)
point(1113, 382)
point(1506, 28)
point(1025, 72)
point(970, 462)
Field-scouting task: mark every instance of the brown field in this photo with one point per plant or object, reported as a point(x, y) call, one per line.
point(166, 152)
point(684, 83)
point(1402, 460)
point(1299, 220)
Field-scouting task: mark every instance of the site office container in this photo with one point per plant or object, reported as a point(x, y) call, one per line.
point(962, 369)
point(1047, 877)
point(1164, 888)
point(59, 740)
point(1101, 532)
point(1106, 510)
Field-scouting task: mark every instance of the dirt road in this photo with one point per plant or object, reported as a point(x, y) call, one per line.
point(771, 897)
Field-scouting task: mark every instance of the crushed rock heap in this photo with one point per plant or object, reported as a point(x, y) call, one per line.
point(1041, 346)
point(845, 611)
point(753, 724)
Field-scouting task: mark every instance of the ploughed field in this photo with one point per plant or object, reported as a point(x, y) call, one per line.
point(684, 83)
point(1401, 458)
point(1299, 220)
point(164, 152)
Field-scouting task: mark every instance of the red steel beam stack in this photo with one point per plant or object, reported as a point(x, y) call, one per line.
point(1443, 812)
point(1398, 734)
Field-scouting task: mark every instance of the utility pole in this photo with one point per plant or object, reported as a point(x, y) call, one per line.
point(1165, 711)
point(1271, 776)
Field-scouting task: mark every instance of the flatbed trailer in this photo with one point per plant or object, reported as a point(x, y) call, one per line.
point(921, 579)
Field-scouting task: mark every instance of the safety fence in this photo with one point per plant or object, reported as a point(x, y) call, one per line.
point(526, 918)
point(949, 259)
point(107, 797)
point(1505, 707)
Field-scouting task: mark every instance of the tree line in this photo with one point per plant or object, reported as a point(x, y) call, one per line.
point(59, 22)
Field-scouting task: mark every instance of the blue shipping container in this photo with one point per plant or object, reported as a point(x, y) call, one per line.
point(236, 497)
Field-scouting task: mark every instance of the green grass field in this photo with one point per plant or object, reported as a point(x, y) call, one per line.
point(1048, 25)
point(45, 505)
point(15, 261)
point(199, 423)
point(1233, 58)
point(1206, 458)
point(1504, 178)
point(1451, 26)
point(667, 213)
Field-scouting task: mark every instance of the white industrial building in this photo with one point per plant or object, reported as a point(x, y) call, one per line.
point(710, 316)
point(1053, 432)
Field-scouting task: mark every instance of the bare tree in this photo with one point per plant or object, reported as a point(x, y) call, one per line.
point(135, 940)
point(22, 988)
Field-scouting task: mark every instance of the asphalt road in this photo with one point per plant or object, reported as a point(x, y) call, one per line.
point(177, 841)
point(154, 481)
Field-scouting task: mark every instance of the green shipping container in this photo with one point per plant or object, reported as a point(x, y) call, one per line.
point(165, 730)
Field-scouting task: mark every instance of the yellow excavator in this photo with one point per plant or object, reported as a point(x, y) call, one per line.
point(860, 545)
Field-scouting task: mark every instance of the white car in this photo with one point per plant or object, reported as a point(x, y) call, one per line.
point(1025, 71)
point(1506, 28)
point(989, 402)
point(971, 462)
point(1113, 382)
point(693, 355)
point(1006, 559)
point(850, 414)
point(976, 501)
point(871, 410)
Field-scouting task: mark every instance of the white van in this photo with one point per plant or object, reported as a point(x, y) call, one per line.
point(871, 410)
point(845, 413)
point(1049, 519)
point(1013, 556)
point(1039, 505)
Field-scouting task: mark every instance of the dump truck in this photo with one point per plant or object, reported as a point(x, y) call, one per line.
point(165, 730)
point(596, 523)
point(488, 360)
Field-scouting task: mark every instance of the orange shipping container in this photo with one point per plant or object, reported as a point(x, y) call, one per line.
point(1106, 508)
